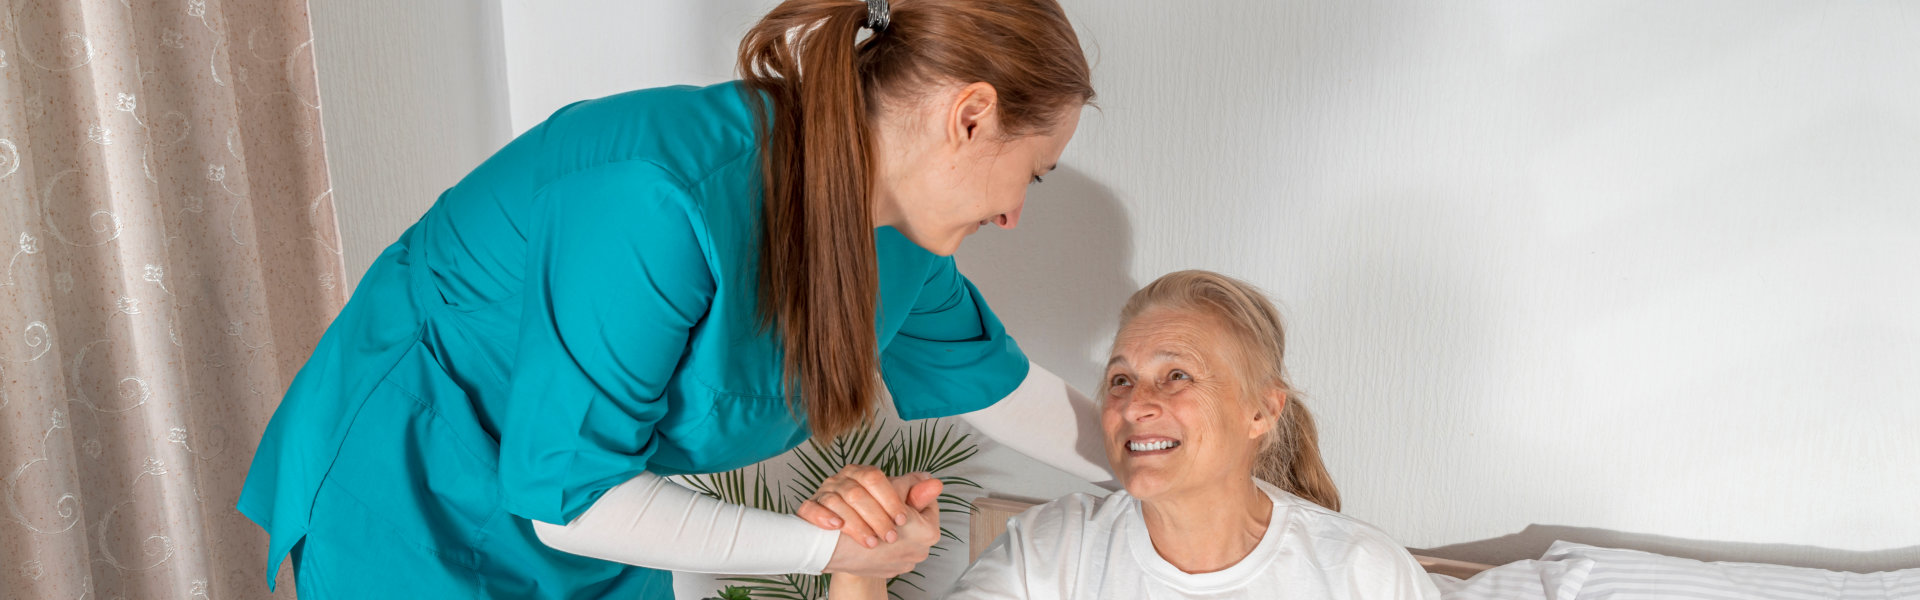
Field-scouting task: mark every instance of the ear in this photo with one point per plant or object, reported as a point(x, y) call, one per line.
point(974, 113)
point(1276, 402)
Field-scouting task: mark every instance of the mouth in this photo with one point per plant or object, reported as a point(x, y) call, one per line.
point(999, 219)
point(1151, 446)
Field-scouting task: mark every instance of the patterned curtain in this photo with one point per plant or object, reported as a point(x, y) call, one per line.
point(170, 258)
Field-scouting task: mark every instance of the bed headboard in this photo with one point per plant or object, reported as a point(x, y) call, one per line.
point(989, 520)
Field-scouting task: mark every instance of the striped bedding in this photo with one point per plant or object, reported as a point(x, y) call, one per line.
point(1570, 571)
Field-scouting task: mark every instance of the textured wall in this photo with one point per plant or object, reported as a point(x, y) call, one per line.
point(415, 96)
point(1603, 272)
point(1640, 268)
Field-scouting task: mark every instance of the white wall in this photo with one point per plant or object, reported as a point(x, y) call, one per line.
point(594, 48)
point(414, 96)
point(1618, 271)
point(1642, 268)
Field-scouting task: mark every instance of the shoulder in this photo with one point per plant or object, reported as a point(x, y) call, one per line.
point(1068, 519)
point(900, 257)
point(620, 213)
point(1338, 538)
point(688, 132)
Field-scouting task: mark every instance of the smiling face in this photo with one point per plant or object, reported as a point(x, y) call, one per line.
point(946, 167)
point(1176, 423)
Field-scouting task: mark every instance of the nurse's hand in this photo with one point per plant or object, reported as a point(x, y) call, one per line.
point(861, 502)
point(916, 537)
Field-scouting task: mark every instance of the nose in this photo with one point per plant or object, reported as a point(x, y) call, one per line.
point(1141, 407)
point(1012, 219)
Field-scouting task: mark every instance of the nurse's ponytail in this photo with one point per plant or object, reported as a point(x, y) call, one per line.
point(819, 84)
point(1289, 455)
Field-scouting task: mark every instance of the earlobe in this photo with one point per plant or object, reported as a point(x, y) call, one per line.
point(1263, 423)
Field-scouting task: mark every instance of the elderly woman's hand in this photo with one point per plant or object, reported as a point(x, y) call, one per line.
point(913, 538)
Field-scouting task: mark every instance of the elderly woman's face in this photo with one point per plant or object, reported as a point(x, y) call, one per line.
point(1174, 421)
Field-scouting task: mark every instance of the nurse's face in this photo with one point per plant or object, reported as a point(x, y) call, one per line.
point(946, 167)
point(1176, 425)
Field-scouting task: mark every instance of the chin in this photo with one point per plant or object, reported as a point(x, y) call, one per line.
point(1142, 483)
point(946, 247)
point(941, 246)
point(1146, 489)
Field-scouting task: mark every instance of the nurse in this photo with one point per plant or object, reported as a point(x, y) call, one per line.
point(685, 280)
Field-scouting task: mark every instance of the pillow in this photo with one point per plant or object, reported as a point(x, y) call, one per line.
point(1519, 580)
point(1632, 575)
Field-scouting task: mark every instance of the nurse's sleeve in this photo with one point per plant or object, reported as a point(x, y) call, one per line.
point(1049, 421)
point(951, 355)
point(615, 280)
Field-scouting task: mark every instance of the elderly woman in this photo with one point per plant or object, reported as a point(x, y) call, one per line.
point(1196, 406)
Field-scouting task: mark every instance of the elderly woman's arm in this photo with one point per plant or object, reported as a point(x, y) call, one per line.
point(997, 575)
point(849, 587)
point(1049, 421)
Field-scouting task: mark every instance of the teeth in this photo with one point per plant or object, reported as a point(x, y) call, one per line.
point(1151, 446)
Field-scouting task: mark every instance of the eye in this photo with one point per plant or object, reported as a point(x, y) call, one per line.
point(1178, 375)
point(1119, 381)
point(1036, 179)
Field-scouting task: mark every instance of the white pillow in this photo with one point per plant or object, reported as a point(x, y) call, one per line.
point(1632, 575)
point(1519, 580)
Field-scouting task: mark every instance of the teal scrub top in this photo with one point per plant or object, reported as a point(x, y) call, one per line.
point(578, 309)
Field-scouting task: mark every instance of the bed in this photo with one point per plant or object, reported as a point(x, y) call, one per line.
point(1570, 571)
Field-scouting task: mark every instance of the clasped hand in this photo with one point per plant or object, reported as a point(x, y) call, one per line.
point(887, 525)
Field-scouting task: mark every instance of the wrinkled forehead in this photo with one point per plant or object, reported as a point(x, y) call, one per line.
point(1172, 334)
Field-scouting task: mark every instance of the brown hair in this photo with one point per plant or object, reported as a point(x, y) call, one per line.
point(818, 91)
point(1290, 454)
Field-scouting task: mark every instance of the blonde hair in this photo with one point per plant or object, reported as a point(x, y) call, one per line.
point(1289, 456)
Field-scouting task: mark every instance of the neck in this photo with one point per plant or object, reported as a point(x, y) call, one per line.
point(1209, 532)
point(886, 210)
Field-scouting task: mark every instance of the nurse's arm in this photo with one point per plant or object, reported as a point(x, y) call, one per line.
point(651, 522)
point(1049, 421)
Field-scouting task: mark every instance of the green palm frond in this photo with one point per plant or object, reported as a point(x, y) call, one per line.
point(737, 487)
point(784, 587)
point(930, 446)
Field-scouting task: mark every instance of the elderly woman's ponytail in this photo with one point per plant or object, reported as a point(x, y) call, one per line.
point(1291, 461)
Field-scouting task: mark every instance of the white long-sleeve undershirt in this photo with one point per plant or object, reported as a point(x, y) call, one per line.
point(1049, 421)
point(652, 522)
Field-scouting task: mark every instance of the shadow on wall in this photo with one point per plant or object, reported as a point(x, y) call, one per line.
point(1533, 541)
point(1059, 279)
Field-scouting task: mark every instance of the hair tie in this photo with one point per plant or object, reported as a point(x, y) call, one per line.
point(879, 14)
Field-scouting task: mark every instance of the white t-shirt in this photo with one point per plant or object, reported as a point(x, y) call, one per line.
point(1081, 546)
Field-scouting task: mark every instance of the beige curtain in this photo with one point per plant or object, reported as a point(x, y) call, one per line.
point(169, 260)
